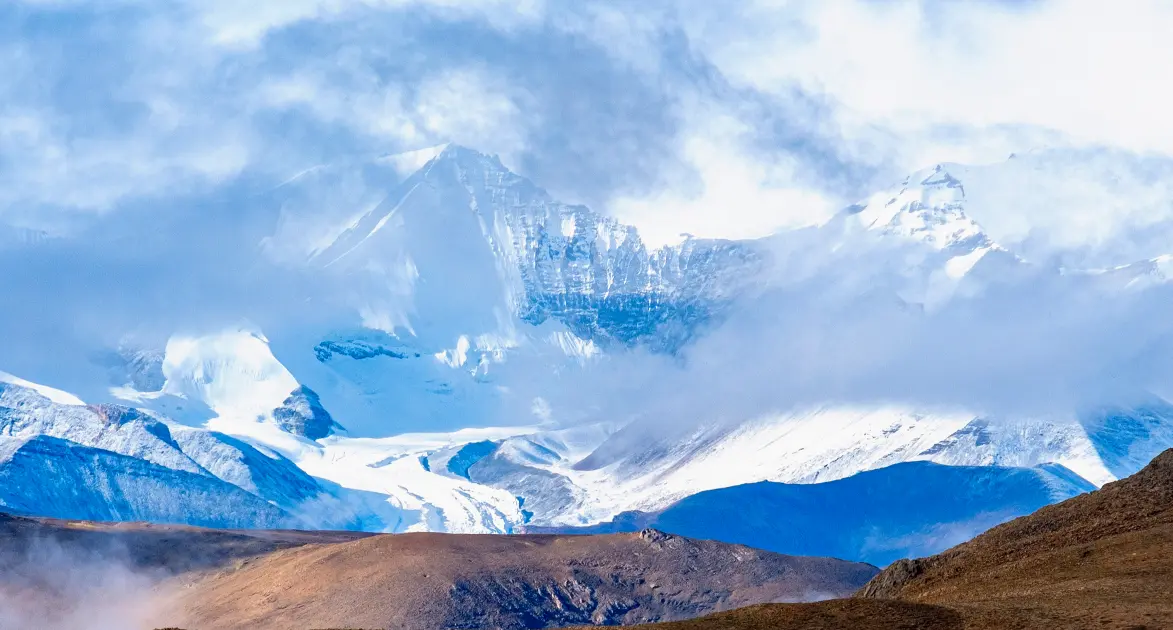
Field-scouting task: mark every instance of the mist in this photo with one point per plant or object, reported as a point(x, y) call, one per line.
point(1014, 340)
point(56, 586)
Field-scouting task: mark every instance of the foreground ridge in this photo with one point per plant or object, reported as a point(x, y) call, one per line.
point(1098, 560)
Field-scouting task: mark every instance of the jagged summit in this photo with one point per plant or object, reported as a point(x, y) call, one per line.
point(465, 237)
point(928, 207)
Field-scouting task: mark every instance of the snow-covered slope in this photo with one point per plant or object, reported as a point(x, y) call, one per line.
point(378, 485)
point(905, 510)
point(26, 413)
point(648, 466)
point(46, 476)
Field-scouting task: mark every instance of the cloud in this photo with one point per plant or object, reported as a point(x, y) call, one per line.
point(1081, 68)
point(594, 102)
point(233, 24)
point(680, 117)
point(59, 587)
point(825, 326)
point(723, 178)
point(96, 111)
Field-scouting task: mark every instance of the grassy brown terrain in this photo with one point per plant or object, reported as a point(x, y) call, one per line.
point(429, 581)
point(1100, 560)
point(838, 614)
point(59, 573)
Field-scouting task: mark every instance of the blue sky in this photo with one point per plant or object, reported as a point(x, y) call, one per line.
point(678, 116)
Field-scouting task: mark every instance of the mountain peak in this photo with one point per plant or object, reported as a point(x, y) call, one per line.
point(464, 155)
point(939, 177)
point(928, 207)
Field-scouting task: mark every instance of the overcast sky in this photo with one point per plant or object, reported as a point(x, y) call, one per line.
point(717, 119)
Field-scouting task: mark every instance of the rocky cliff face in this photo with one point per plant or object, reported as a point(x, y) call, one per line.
point(302, 414)
point(589, 271)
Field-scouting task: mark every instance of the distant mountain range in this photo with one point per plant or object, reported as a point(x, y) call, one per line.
point(424, 342)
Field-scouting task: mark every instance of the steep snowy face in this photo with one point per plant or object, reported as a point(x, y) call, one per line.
point(464, 247)
point(420, 287)
point(926, 215)
point(1136, 276)
point(234, 373)
point(26, 412)
point(933, 249)
point(590, 272)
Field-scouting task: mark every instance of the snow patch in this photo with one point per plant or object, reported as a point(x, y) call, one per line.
point(568, 226)
point(958, 266)
point(457, 356)
point(410, 161)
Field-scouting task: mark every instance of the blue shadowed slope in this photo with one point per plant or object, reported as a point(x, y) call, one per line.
point(906, 510)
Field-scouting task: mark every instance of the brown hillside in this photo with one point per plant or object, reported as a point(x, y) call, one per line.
point(1100, 560)
point(74, 575)
point(429, 581)
point(1103, 559)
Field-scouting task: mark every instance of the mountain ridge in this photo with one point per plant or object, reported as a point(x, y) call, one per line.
point(444, 301)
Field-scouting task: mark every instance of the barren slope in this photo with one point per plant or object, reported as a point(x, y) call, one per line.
point(1099, 560)
point(1103, 559)
point(430, 581)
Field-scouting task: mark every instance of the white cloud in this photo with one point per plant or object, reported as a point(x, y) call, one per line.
point(459, 105)
point(1085, 68)
point(725, 192)
point(464, 106)
point(898, 85)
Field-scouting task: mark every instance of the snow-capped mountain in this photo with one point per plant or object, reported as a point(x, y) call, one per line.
point(645, 467)
point(928, 208)
point(518, 254)
point(437, 354)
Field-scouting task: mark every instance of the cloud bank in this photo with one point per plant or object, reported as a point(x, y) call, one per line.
point(666, 113)
point(682, 117)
